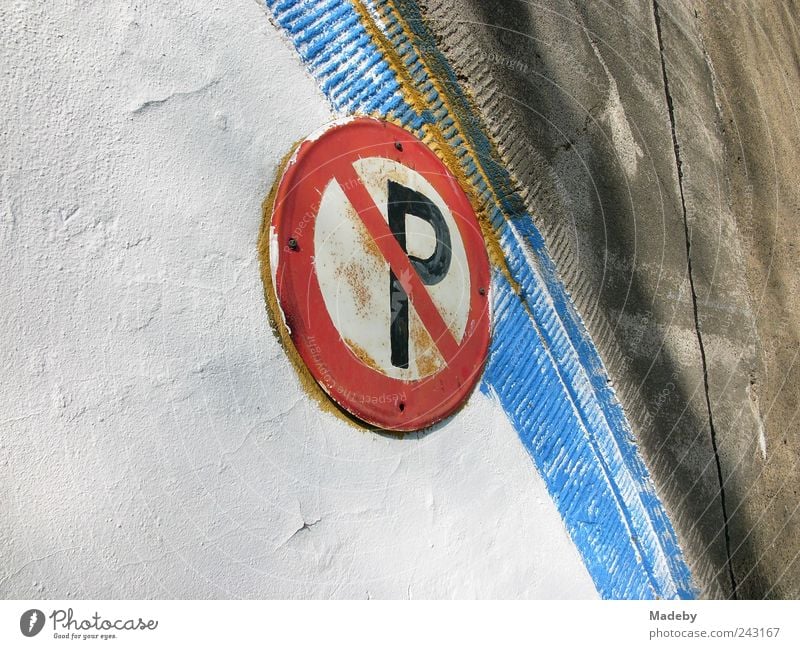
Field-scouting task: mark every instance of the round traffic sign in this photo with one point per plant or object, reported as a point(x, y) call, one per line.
point(381, 275)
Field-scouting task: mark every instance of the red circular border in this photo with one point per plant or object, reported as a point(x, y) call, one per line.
point(368, 394)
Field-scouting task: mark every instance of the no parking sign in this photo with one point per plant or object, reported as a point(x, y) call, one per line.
point(381, 275)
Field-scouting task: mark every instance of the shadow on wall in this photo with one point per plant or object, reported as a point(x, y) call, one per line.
point(575, 98)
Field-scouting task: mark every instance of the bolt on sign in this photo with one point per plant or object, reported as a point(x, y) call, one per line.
point(381, 275)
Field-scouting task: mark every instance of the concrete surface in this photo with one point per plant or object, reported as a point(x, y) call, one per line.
point(753, 51)
point(656, 145)
point(154, 439)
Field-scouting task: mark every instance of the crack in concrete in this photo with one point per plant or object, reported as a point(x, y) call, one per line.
point(679, 166)
point(152, 103)
point(305, 527)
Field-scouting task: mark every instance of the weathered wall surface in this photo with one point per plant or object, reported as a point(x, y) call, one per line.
point(154, 439)
point(656, 145)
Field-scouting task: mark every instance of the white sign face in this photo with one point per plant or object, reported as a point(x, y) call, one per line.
point(372, 314)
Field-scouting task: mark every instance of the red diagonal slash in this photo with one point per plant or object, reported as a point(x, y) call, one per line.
point(398, 261)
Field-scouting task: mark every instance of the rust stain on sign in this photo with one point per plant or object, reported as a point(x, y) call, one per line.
point(428, 360)
point(362, 354)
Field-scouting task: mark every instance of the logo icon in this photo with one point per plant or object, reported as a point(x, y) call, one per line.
point(31, 622)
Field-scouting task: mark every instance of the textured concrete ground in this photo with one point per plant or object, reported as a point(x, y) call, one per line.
point(656, 144)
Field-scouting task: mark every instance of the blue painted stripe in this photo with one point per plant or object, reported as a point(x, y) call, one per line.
point(543, 366)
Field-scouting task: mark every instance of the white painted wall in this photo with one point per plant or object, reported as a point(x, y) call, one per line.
point(154, 439)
